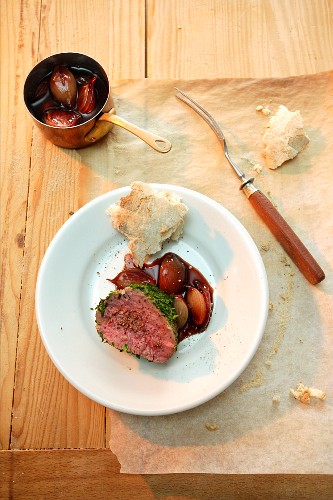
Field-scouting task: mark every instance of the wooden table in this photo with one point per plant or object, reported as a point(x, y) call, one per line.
point(54, 441)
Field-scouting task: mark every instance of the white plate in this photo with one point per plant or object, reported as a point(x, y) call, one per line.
point(72, 279)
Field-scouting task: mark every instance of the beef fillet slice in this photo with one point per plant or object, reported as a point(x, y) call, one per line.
point(141, 320)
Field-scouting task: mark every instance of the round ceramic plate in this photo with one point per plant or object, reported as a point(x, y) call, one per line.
point(73, 277)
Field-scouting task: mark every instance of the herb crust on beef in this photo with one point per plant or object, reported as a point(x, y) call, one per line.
point(141, 320)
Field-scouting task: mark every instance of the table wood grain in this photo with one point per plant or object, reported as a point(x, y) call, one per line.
point(95, 474)
point(46, 425)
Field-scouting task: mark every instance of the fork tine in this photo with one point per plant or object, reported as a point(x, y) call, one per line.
point(192, 103)
point(202, 114)
point(205, 115)
point(197, 110)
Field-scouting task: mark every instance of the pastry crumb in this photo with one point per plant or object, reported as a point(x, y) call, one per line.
point(284, 138)
point(271, 305)
point(257, 168)
point(263, 109)
point(304, 393)
point(256, 381)
point(212, 427)
point(265, 247)
point(276, 398)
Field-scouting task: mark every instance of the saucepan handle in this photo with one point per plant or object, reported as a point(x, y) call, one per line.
point(106, 122)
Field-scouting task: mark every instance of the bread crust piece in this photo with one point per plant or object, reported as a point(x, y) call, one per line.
point(285, 137)
point(147, 218)
point(304, 393)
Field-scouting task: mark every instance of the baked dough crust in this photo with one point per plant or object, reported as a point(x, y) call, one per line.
point(284, 138)
point(147, 218)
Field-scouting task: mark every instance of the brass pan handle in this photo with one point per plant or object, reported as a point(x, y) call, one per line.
point(106, 122)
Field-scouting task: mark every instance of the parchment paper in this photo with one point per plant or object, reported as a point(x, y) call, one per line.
point(243, 430)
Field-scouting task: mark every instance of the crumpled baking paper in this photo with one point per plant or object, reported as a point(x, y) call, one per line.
point(255, 425)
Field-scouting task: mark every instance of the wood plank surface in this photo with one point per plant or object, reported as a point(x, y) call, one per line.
point(238, 38)
point(17, 57)
point(95, 474)
point(41, 185)
point(47, 411)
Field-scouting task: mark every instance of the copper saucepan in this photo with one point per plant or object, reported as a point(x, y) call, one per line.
point(104, 116)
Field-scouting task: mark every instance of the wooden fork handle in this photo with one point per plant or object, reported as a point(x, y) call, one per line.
point(296, 250)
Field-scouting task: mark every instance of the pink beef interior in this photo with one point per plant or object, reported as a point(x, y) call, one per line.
point(131, 319)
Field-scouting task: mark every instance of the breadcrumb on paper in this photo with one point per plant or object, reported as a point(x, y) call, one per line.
point(304, 393)
point(284, 138)
point(265, 247)
point(264, 110)
point(257, 168)
point(256, 381)
point(212, 427)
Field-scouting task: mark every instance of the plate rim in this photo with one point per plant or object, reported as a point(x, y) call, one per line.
point(262, 279)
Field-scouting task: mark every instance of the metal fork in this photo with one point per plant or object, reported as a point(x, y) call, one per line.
point(218, 131)
point(263, 206)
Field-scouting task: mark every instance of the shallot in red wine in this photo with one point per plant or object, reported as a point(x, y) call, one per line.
point(193, 295)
